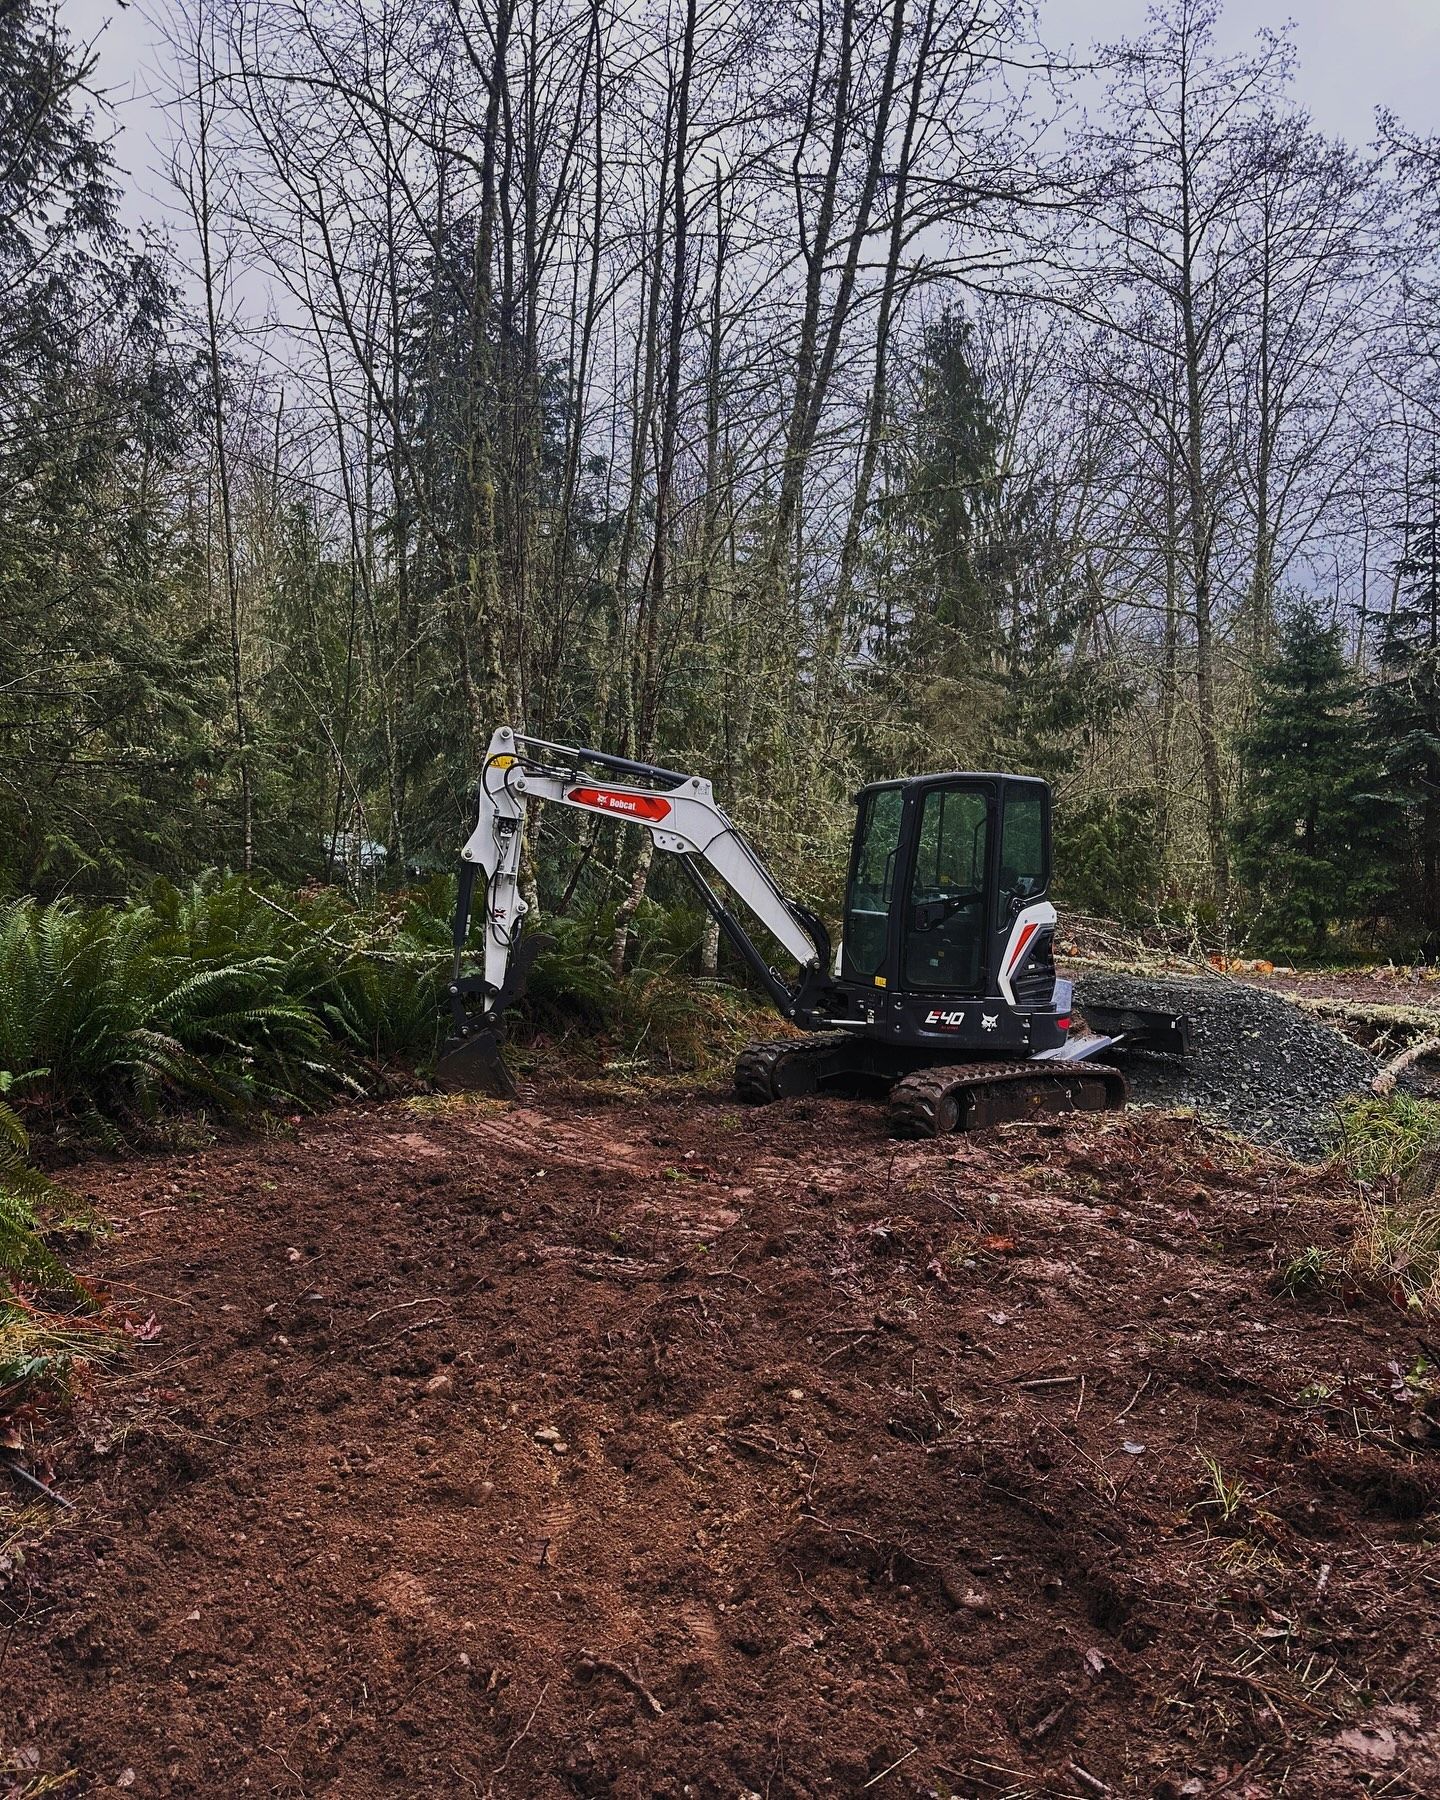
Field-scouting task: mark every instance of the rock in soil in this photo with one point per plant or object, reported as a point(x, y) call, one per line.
point(1259, 1065)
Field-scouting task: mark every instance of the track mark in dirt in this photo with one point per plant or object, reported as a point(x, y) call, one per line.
point(556, 1522)
point(704, 1629)
point(526, 1135)
point(867, 1464)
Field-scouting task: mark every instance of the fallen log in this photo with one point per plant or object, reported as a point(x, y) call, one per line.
point(1384, 1082)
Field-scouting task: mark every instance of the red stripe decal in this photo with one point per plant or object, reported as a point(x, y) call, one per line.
point(1025, 937)
point(649, 807)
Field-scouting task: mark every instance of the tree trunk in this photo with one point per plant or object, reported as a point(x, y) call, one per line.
point(202, 211)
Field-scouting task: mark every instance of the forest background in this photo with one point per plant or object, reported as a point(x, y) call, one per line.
point(800, 395)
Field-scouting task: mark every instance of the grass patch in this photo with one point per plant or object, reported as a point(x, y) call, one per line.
point(1391, 1145)
point(1383, 1138)
point(1224, 1498)
point(1397, 1248)
point(44, 1355)
point(1310, 1271)
point(660, 1019)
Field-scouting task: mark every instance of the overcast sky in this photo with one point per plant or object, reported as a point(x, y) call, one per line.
point(1354, 55)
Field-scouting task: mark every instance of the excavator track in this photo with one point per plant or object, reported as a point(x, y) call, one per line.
point(972, 1096)
point(781, 1068)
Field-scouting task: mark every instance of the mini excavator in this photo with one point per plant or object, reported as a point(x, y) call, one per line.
point(942, 992)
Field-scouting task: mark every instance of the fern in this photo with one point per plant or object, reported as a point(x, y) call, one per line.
point(44, 1353)
point(23, 1257)
point(225, 994)
point(219, 993)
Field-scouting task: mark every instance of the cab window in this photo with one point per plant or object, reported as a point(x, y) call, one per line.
point(947, 916)
point(1024, 846)
point(867, 905)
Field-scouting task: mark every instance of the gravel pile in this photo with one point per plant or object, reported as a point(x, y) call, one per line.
point(1259, 1065)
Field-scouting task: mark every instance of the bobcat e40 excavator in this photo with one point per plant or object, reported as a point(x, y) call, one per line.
point(943, 990)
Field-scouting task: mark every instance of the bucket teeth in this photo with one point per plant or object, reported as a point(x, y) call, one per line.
point(475, 1065)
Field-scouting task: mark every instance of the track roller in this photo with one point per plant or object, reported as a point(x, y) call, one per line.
point(782, 1068)
point(973, 1096)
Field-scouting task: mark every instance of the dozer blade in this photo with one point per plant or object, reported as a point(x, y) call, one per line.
point(1153, 1028)
point(476, 1065)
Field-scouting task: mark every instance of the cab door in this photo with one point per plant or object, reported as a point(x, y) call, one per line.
point(1024, 919)
point(948, 924)
point(870, 892)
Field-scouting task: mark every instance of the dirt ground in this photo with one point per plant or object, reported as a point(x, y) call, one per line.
point(1380, 986)
point(640, 1448)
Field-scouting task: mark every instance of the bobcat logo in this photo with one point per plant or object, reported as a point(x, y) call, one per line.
point(990, 1021)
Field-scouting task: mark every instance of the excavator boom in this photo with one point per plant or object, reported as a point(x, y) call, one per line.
point(681, 815)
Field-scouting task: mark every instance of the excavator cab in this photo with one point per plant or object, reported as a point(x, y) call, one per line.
point(947, 931)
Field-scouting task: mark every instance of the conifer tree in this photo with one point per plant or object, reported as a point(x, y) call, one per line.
point(1406, 705)
point(954, 460)
point(108, 760)
point(1309, 832)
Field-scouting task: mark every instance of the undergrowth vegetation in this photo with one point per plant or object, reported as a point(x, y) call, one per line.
point(228, 999)
point(1383, 1138)
point(219, 995)
point(662, 1017)
point(1391, 1145)
point(41, 1346)
point(22, 1254)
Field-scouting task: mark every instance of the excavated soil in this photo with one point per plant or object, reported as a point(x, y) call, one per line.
point(664, 1448)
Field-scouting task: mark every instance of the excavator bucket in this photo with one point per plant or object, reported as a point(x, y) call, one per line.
point(476, 1065)
point(472, 1058)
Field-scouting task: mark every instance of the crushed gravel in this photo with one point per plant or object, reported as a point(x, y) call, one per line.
point(1259, 1065)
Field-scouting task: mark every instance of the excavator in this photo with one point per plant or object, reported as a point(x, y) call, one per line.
point(942, 992)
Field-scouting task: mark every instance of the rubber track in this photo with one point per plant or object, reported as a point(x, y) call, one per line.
point(757, 1064)
point(917, 1102)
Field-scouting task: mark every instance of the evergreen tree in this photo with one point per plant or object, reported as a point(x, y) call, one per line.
point(955, 440)
point(1107, 855)
point(984, 606)
point(1406, 705)
point(1308, 834)
point(109, 762)
point(937, 628)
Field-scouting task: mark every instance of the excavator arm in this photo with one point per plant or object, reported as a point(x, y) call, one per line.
point(678, 811)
